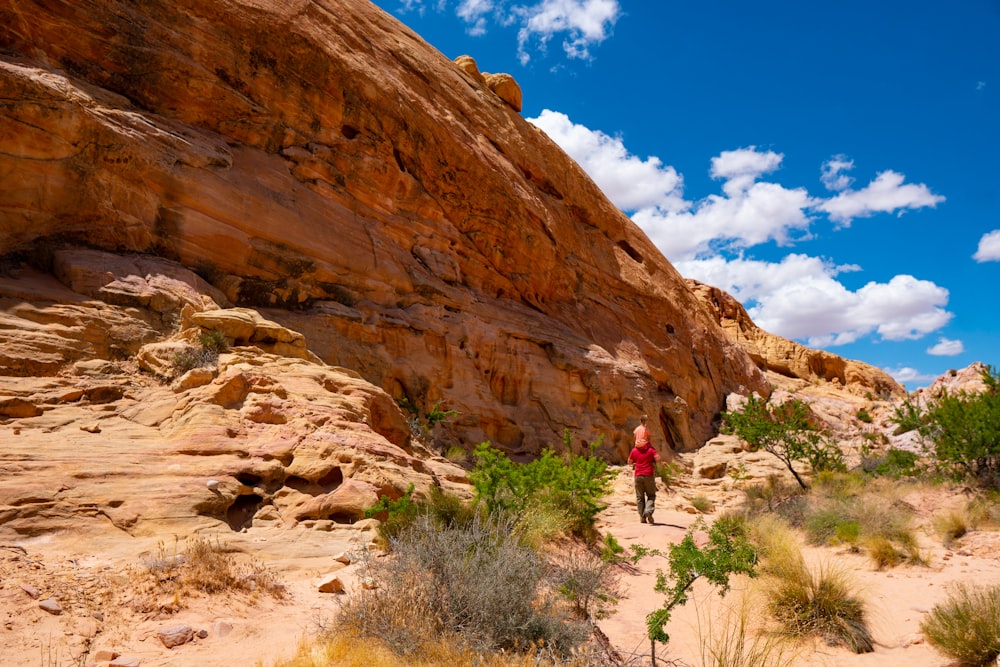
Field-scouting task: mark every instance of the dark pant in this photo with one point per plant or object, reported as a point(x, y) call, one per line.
point(645, 494)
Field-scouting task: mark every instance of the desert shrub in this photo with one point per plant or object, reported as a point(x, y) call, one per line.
point(770, 495)
point(896, 463)
point(588, 579)
point(963, 428)
point(572, 484)
point(840, 510)
point(777, 545)
point(703, 504)
point(821, 604)
point(966, 626)
point(475, 585)
point(785, 431)
point(863, 416)
point(204, 566)
point(457, 454)
point(396, 515)
point(210, 344)
point(950, 526)
point(984, 509)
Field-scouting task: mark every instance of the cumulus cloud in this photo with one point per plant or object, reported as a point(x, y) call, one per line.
point(581, 24)
point(905, 374)
point(989, 247)
point(800, 297)
point(886, 194)
point(946, 347)
point(833, 173)
point(629, 181)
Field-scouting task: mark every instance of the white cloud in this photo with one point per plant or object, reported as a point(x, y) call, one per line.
point(799, 297)
point(833, 175)
point(989, 247)
point(581, 24)
point(980, 85)
point(629, 181)
point(907, 374)
point(946, 347)
point(886, 194)
point(584, 23)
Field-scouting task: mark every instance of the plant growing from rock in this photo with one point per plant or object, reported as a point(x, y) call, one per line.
point(963, 430)
point(786, 431)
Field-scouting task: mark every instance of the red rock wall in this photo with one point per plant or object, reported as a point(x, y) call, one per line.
point(320, 160)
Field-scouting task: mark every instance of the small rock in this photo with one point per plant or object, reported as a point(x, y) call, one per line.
point(222, 628)
point(51, 606)
point(175, 635)
point(202, 634)
point(911, 640)
point(331, 584)
point(31, 591)
point(104, 655)
point(90, 428)
point(212, 484)
point(343, 557)
point(98, 615)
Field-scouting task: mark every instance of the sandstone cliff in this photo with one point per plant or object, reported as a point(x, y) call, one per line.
point(318, 161)
point(790, 359)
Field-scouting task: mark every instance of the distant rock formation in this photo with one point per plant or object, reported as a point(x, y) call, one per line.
point(791, 359)
point(352, 184)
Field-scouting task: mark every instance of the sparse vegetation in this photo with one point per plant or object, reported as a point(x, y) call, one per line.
point(204, 566)
point(703, 504)
point(727, 552)
point(819, 603)
point(787, 432)
point(668, 472)
point(963, 429)
point(476, 585)
point(966, 626)
point(736, 641)
point(950, 526)
point(210, 345)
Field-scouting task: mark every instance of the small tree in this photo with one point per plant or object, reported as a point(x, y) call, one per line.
point(785, 431)
point(964, 429)
point(727, 552)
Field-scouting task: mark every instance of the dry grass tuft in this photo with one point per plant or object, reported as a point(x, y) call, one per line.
point(204, 566)
point(734, 640)
point(966, 626)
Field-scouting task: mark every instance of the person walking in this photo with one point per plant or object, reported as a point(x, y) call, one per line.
point(643, 458)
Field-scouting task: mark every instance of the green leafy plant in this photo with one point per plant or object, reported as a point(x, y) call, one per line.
point(863, 416)
point(572, 484)
point(703, 504)
point(728, 551)
point(668, 472)
point(437, 415)
point(966, 626)
point(786, 432)
point(965, 431)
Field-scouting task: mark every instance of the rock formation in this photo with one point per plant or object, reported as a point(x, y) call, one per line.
point(788, 358)
point(354, 185)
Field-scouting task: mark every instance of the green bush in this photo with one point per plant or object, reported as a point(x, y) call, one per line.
point(895, 464)
point(964, 430)
point(574, 485)
point(966, 626)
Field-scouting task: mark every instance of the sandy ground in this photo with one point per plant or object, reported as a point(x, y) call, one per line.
point(89, 573)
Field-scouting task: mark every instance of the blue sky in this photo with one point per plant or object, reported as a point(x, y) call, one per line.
point(831, 165)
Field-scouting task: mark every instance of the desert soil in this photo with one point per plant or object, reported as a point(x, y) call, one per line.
point(90, 574)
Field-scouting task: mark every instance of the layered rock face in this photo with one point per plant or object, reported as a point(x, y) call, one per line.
point(790, 359)
point(319, 162)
